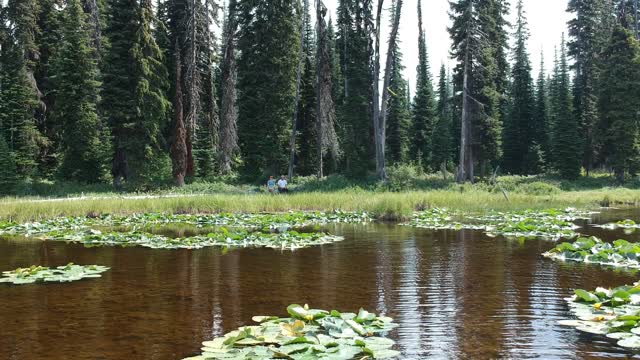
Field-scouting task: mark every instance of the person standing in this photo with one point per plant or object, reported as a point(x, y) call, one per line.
point(271, 184)
point(282, 185)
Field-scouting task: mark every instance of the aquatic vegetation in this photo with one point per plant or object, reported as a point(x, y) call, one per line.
point(629, 226)
point(288, 240)
point(307, 334)
point(620, 253)
point(67, 273)
point(549, 224)
point(611, 312)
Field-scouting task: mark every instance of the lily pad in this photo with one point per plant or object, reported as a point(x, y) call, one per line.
point(38, 274)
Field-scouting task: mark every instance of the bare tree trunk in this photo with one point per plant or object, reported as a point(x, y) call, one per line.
point(179, 149)
point(294, 130)
point(325, 107)
point(376, 94)
point(465, 169)
point(229, 110)
point(193, 79)
point(381, 130)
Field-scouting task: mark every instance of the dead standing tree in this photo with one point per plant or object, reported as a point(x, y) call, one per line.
point(325, 107)
point(380, 112)
point(228, 107)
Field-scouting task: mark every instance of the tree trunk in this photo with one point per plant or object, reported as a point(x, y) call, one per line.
point(465, 169)
point(294, 130)
point(91, 7)
point(382, 122)
point(179, 149)
point(228, 110)
point(376, 96)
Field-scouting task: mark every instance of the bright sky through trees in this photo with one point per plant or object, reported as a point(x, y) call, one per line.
point(547, 21)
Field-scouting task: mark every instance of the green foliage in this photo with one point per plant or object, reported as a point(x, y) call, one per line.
point(307, 334)
point(8, 175)
point(76, 89)
point(619, 103)
point(423, 132)
point(268, 44)
point(520, 155)
point(41, 274)
point(355, 112)
point(593, 250)
point(566, 144)
point(442, 151)
point(399, 118)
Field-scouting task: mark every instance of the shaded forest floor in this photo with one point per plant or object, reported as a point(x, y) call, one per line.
point(397, 199)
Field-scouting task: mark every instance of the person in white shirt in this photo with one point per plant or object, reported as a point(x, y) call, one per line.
point(282, 185)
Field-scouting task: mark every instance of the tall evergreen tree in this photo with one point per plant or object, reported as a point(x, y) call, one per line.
point(355, 111)
point(399, 120)
point(228, 132)
point(619, 103)
point(20, 95)
point(442, 141)
point(134, 93)
point(424, 101)
point(582, 46)
point(541, 126)
point(76, 89)
point(8, 174)
point(268, 44)
point(567, 145)
point(521, 152)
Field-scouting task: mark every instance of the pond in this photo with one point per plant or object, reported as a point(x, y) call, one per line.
point(455, 294)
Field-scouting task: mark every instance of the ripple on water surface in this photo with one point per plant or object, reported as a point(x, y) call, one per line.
point(454, 294)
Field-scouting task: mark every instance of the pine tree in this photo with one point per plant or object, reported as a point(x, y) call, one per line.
point(268, 44)
point(541, 123)
point(76, 90)
point(20, 96)
point(520, 148)
point(567, 146)
point(134, 94)
point(583, 32)
point(619, 103)
point(228, 107)
point(353, 45)
point(423, 103)
point(8, 174)
point(442, 142)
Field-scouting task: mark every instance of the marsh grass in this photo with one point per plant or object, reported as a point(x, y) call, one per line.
point(382, 205)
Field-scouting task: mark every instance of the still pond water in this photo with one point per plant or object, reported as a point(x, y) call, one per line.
point(456, 295)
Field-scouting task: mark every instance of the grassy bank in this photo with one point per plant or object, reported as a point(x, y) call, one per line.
point(382, 204)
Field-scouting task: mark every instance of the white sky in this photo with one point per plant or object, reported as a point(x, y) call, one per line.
point(547, 21)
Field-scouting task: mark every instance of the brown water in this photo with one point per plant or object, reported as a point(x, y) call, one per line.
point(454, 294)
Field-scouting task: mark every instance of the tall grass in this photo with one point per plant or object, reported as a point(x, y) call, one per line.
point(383, 204)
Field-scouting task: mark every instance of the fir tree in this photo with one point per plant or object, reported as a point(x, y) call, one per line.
point(423, 103)
point(520, 148)
point(399, 120)
point(567, 146)
point(268, 44)
point(442, 142)
point(583, 32)
point(353, 45)
point(76, 90)
point(8, 174)
point(619, 103)
point(541, 126)
point(134, 96)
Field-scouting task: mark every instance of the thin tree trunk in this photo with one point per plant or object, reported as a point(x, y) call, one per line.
point(229, 112)
point(179, 150)
point(465, 169)
point(382, 122)
point(294, 130)
point(91, 7)
point(376, 95)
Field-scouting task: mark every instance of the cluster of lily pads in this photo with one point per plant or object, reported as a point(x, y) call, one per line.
point(546, 224)
point(307, 334)
point(231, 230)
point(67, 273)
point(629, 226)
point(620, 253)
point(611, 312)
point(288, 240)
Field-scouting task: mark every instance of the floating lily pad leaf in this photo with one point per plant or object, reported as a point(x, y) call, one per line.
point(309, 334)
point(593, 250)
point(632, 342)
point(68, 273)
